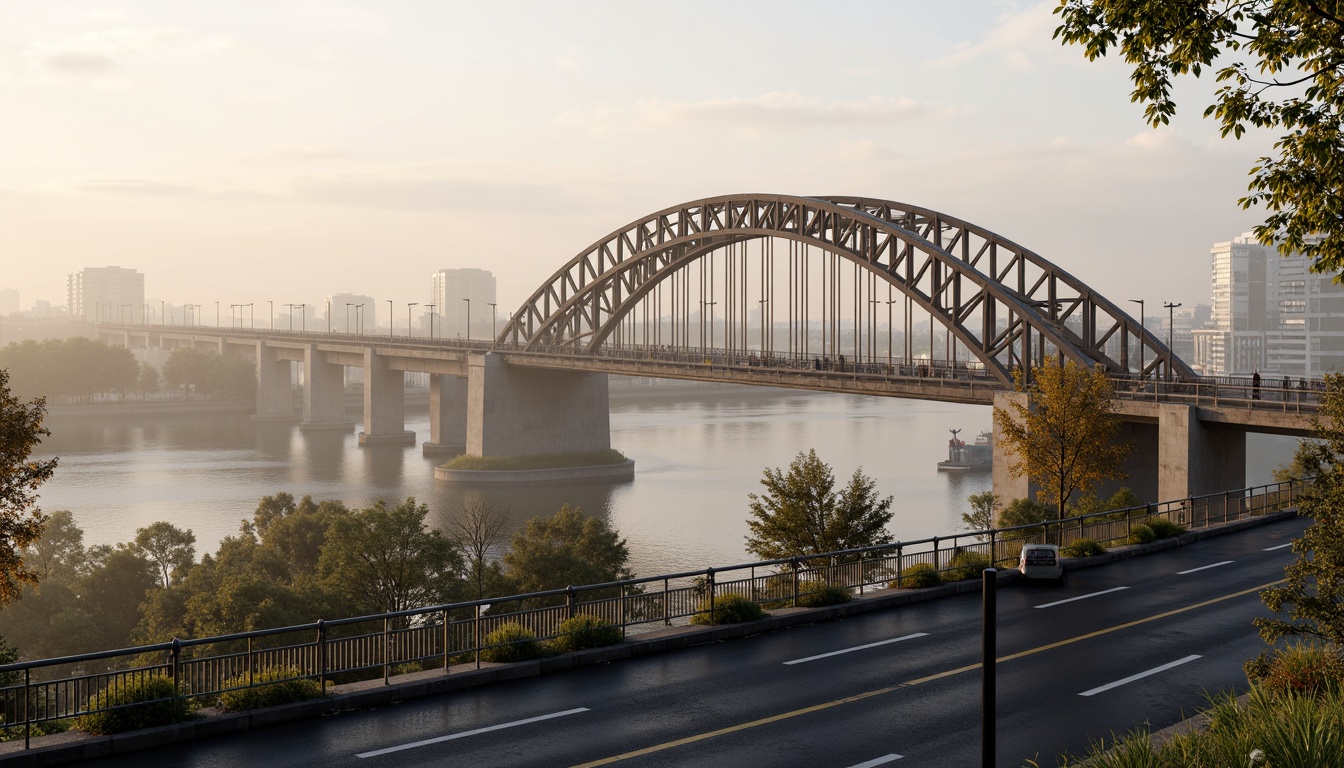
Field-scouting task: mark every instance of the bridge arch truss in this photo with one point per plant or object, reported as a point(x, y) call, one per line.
point(670, 279)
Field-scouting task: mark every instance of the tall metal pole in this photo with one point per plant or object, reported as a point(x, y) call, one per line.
point(431, 319)
point(988, 649)
point(271, 304)
point(468, 318)
point(492, 306)
point(408, 317)
point(1141, 326)
point(1171, 331)
point(391, 324)
point(216, 314)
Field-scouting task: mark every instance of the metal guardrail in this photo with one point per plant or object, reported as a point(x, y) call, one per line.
point(368, 647)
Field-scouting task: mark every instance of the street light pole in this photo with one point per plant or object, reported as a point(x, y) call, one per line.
point(431, 319)
point(348, 305)
point(468, 318)
point(492, 306)
point(216, 314)
point(303, 318)
point(409, 334)
point(1140, 303)
point(1171, 331)
point(271, 304)
point(391, 324)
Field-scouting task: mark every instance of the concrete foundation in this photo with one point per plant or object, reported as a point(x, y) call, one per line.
point(1195, 459)
point(447, 415)
point(384, 403)
point(1007, 486)
point(323, 392)
point(275, 400)
point(516, 411)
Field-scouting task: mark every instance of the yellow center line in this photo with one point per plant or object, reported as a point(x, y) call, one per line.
point(918, 681)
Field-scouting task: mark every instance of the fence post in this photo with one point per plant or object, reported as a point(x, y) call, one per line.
point(387, 650)
point(793, 571)
point(447, 637)
point(322, 654)
point(625, 613)
point(250, 680)
point(569, 601)
point(175, 655)
point(27, 724)
point(709, 579)
point(937, 566)
point(993, 548)
point(476, 628)
point(1227, 506)
point(667, 593)
point(900, 565)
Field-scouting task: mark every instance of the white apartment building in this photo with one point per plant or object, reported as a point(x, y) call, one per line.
point(1270, 314)
point(106, 294)
point(461, 293)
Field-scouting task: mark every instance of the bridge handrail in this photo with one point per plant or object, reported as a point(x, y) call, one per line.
point(365, 647)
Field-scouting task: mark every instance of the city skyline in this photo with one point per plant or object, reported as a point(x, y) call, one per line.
point(255, 153)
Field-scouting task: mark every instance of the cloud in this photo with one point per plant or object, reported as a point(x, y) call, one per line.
point(774, 111)
point(75, 63)
point(107, 52)
point(156, 188)
point(430, 192)
point(1020, 42)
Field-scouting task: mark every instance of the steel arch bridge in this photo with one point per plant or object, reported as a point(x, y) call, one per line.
point(651, 282)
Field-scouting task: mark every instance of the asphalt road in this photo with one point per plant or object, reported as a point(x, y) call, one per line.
point(1136, 641)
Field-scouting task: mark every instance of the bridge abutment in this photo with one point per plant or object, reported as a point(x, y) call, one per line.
point(323, 392)
point(517, 411)
point(384, 403)
point(1195, 459)
point(447, 415)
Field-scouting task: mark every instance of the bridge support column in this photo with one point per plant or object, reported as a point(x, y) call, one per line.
point(275, 397)
point(447, 415)
point(1194, 459)
point(516, 411)
point(1006, 486)
point(384, 403)
point(323, 392)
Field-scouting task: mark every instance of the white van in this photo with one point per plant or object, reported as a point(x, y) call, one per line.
point(1041, 561)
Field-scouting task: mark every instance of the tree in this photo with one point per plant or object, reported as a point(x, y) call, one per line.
point(1305, 463)
point(1064, 438)
point(210, 373)
point(801, 514)
point(387, 559)
point(1284, 71)
point(565, 549)
point(170, 548)
point(478, 530)
point(60, 550)
point(984, 506)
point(1024, 512)
point(1313, 595)
point(148, 380)
point(21, 521)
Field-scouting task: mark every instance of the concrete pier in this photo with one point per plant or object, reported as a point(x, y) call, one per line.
point(275, 401)
point(384, 403)
point(447, 415)
point(323, 392)
point(517, 411)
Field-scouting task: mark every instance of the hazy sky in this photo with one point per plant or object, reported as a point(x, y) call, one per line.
point(245, 151)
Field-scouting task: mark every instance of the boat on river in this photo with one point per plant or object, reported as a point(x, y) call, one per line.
point(976, 457)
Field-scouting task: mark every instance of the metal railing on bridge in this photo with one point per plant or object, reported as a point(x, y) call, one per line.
point(368, 647)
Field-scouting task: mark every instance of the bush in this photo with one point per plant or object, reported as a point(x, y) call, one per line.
point(1165, 529)
point(584, 631)
point(966, 565)
point(1301, 668)
point(1083, 548)
point(142, 703)
point(270, 687)
point(511, 642)
point(1141, 534)
point(728, 609)
point(820, 598)
point(918, 576)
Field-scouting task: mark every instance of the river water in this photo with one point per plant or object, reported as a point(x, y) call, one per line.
point(698, 456)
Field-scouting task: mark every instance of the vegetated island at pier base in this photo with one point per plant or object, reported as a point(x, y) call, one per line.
point(610, 464)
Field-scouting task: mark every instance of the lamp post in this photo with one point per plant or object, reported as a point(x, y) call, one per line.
point(359, 318)
point(431, 319)
point(710, 304)
point(271, 304)
point(1140, 303)
point(468, 318)
point(233, 315)
point(328, 316)
point(216, 314)
point(891, 330)
point(409, 334)
point(391, 324)
point(1171, 331)
point(291, 307)
point(163, 319)
point(251, 315)
point(348, 305)
point(492, 306)
point(763, 302)
point(122, 316)
point(303, 318)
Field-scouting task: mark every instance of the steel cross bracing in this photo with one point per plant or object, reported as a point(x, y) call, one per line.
point(1002, 303)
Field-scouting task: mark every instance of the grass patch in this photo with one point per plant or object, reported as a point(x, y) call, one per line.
point(728, 609)
point(537, 461)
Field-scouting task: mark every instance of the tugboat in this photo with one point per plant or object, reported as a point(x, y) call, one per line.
point(968, 458)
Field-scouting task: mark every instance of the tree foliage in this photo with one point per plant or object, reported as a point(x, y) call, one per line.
point(20, 520)
point(1064, 438)
point(210, 373)
point(984, 507)
point(1313, 596)
point(800, 512)
point(1281, 65)
point(478, 529)
point(565, 549)
point(171, 549)
point(75, 367)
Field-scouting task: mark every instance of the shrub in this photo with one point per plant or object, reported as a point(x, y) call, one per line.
point(585, 631)
point(511, 642)
point(1141, 534)
point(918, 576)
point(270, 687)
point(1301, 668)
point(728, 609)
point(966, 565)
point(1165, 529)
point(1083, 548)
point(142, 703)
point(820, 598)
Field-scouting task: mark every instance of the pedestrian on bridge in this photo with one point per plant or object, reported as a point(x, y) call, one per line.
point(1255, 386)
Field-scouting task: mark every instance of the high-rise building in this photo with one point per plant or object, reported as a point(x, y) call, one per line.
point(9, 301)
point(1270, 314)
point(106, 294)
point(353, 313)
point(459, 294)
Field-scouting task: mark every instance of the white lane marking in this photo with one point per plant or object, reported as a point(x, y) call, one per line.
point(858, 648)
point(1080, 597)
point(1281, 546)
point(464, 734)
point(876, 761)
point(1139, 676)
point(1205, 567)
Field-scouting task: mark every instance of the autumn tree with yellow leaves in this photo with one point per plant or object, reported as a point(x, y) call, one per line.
point(1063, 438)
